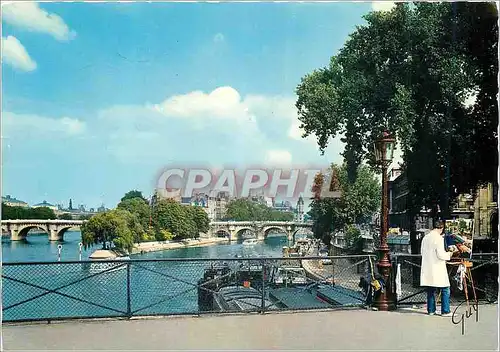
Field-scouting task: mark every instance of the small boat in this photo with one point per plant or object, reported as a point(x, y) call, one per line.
point(289, 276)
point(250, 242)
point(107, 261)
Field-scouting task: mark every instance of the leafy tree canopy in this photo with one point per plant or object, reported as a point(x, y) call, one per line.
point(246, 210)
point(181, 221)
point(359, 200)
point(134, 194)
point(411, 71)
point(13, 213)
point(118, 227)
point(138, 207)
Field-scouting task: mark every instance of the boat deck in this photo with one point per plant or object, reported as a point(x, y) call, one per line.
point(296, 298)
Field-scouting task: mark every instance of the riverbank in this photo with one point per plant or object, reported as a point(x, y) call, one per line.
point(146, 247)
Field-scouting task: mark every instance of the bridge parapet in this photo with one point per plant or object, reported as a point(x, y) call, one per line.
point(232, 229)
point(18, 229)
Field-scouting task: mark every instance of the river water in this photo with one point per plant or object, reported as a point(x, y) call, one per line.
point(39, 248)
point(65, 290)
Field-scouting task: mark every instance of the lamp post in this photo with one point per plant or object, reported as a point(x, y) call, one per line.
point(384, 150)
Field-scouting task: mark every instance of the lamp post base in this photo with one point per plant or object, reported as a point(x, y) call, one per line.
point(385, 301)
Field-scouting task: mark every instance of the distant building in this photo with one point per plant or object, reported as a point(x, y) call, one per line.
point(483, 208)
point(13, 202)
point(46, 205)
point(299, 213)
point(214, 206)
point(284, 206)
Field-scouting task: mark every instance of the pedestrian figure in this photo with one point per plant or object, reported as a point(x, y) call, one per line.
point(433, 273)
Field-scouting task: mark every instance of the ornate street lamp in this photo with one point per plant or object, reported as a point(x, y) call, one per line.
point(384, 150)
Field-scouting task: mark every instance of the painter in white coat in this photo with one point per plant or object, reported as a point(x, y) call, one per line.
point(433, 272)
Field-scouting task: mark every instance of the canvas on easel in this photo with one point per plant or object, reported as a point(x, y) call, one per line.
point(459, 235)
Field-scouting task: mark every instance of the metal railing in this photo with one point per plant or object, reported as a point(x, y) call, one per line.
point(123, 289)
point(484, 272)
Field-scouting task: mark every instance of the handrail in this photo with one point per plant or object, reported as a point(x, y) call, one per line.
point(232, 259)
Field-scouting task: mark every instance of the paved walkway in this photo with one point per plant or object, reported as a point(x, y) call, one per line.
point(332, 330)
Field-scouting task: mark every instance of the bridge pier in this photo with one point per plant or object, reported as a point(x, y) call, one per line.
point(18, 229)
point(54, 234)
point(15, 235)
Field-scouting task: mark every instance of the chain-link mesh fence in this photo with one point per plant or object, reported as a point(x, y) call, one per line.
point(484, 284)
point(91, 289)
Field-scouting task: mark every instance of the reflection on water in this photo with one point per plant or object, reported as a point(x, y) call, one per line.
point(39, 248)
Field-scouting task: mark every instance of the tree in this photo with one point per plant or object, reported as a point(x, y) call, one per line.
point(65, 216)
point(358, 201)
point(246, 210)
point(354, 241)
point(410, 71)
point(70, 207)
point(114, 226)
point(200, 218)
point(13, 213)
point(42, 213)
point(84, 217)
point(138, 207)
point(172, 216)
point(134, 194)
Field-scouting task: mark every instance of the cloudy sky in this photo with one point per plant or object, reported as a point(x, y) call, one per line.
point(98, 97)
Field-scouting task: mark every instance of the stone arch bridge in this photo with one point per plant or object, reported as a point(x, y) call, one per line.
point(234, 229)
point(18, 229)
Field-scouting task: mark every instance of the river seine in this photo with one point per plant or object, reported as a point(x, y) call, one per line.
point(66, 290)
point(38, 248)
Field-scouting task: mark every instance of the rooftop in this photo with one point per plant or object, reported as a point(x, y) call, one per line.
point(12, 200)
point(44, 204)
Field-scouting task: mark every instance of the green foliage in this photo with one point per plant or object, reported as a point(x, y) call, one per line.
point(358, 201)
point(179, 220)
point(409, 71)
point(164, 235)
point(115, 226)
point(133, 194)
point(84, 217)
point(246, 210)
point(65, 216)
point(353, 240)
point(138, 207)
point(200, 218)
point(13, 213)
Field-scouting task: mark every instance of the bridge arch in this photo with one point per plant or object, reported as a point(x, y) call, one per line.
point(239, 231)
point(268, 229)
point(61, 231)
point(23, 231)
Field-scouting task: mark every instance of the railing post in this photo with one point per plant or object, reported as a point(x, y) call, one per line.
point(129, 309)
point(263, 300)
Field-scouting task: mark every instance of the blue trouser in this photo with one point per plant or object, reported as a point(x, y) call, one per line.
point(445, 299)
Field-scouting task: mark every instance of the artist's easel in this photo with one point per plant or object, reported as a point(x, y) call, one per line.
point(467, 278)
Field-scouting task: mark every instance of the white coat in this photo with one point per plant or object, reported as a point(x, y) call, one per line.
point(433, 272)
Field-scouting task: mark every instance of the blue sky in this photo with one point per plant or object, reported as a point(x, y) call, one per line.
point(98, 97)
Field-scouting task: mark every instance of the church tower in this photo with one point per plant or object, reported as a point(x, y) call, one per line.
point(300, 209)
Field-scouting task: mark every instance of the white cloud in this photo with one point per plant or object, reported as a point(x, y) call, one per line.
point(218, 38)
point(383, 5)
point(196, 128)
point(278, 157)
point(14, 54)
point(26, 125)
point(29, 16)
point(221, 103)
